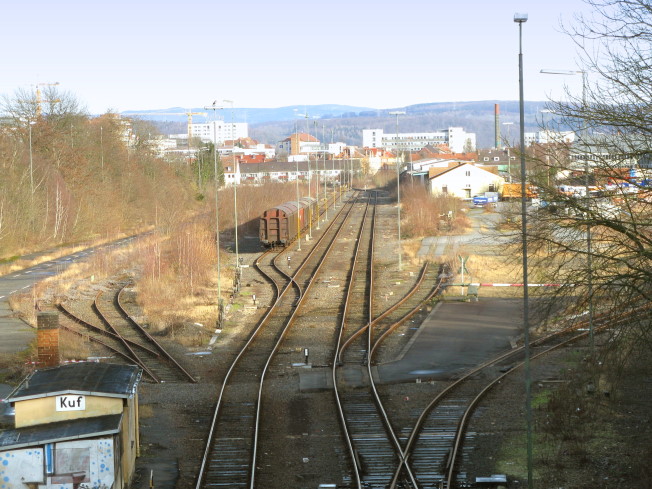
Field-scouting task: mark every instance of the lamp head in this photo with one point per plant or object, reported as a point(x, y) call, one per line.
point(520, 18)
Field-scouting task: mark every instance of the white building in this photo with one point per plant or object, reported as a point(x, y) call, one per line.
point(455, 138)
point(220, 131)
point(463, 180)
point(548, 137)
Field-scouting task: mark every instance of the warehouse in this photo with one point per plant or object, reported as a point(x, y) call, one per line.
point(76, 426)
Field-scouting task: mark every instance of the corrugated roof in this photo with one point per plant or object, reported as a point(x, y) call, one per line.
point(62, 431)
point(89, 378)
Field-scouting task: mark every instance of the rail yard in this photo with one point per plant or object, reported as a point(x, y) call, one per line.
point(303, 392)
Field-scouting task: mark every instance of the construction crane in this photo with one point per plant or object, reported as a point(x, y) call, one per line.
point(188, 114)
point(39, 100)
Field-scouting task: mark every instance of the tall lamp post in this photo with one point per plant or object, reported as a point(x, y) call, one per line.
point(214, 107)
point(236, 174)
point(398, 187)
point(520, 19)
point(298, 221)
point(589, 263)
point(317, 172)
point(323, 138)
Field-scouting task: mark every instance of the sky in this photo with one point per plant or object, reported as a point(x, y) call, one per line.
point(145, 54)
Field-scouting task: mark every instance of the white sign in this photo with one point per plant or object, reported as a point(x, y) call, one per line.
point(71, 403)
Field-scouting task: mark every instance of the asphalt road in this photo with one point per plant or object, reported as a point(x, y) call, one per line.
point(16, 335)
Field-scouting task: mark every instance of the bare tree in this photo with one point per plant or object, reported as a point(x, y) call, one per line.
point(595, 232)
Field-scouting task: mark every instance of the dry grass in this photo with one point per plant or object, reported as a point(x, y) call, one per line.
point(14, 264)
point(489, 269)
point(77, 275)
point(23, 306)
point(73, 346)
point(14, 367)
point(410, 248)
point(425, 214)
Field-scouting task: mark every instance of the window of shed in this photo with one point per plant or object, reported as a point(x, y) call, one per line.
point(71, 463)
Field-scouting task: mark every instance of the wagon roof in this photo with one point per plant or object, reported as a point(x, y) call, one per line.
point(308, 200)
point(288, 207)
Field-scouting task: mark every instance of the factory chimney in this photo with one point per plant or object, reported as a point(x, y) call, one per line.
point(47, 338)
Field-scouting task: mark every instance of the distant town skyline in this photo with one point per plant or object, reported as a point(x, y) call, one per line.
point(142, 55)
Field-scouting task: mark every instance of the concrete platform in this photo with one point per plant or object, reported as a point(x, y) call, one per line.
point(454, 337)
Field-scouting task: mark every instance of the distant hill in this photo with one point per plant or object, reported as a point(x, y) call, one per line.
point(347, 122)
point(252, 115)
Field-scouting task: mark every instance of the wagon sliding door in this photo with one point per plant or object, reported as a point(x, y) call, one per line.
point(274, 230)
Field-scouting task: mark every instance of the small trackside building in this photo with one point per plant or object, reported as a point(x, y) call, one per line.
point(76, 426)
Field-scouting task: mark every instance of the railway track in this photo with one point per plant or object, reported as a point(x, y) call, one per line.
point(116, 331)
point(230, 454)
point(439, 440)
point(428, 285)
point(373, 446)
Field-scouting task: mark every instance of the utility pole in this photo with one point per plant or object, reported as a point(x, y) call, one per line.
point(213, 107)
point(398, 188)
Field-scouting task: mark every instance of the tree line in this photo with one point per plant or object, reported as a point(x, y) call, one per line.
point(69, 177)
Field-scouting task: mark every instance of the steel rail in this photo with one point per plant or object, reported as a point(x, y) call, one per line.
point(312, 275)
point(117, 337)
point(390, 310)
point(217, 411)
point(390, 328)
point(143, 331)
point(98, 341)
point(123, 340)
point(354, 403)
point(279, 294)
point(379, 405)
point(416, 430)
point(357, 469)
point(460, 433)
point(109, 334)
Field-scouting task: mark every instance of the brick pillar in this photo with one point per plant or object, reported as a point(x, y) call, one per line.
point(47, 324)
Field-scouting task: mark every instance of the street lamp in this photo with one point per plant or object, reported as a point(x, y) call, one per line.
point(520, 19)
point(589, 263)
point(323, 138)
point(213, 107)
point(236, 177)
point(298, 220)
point(317, 172)
point(398, 187)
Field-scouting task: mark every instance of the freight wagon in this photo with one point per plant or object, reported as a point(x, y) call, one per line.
point(280, 225)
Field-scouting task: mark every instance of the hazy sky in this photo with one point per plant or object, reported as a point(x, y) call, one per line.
point(146, 54)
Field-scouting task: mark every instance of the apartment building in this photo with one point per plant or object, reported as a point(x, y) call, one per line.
point(219, 131)
point(458, 140)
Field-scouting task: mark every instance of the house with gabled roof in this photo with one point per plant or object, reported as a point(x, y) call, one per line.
point(464, 180)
